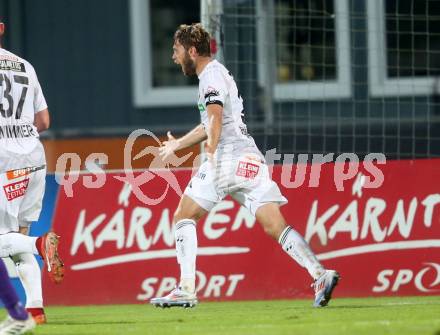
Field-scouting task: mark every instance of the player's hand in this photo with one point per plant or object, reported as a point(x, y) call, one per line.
point(168, 147)
point(210, 155)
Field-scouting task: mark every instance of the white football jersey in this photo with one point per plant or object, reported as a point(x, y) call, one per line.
point(21, 98)
point(217, 86)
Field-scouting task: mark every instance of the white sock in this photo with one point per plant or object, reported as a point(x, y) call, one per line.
point(16, 243)
point(297, 248)
point(30, 276)
point(186, 248)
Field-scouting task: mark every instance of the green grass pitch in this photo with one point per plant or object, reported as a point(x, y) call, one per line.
point(404, 315)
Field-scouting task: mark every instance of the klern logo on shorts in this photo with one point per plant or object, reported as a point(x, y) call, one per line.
point(16, 190)
point(247, 170)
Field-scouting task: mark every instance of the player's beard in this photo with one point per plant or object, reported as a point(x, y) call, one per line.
point(188, 66)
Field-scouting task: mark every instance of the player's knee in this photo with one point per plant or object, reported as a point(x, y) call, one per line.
point(180, 214)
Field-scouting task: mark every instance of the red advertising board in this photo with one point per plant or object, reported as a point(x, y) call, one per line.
point(383, 241)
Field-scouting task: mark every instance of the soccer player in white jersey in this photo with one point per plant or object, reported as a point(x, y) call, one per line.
point(23, 114)
point(234, 167)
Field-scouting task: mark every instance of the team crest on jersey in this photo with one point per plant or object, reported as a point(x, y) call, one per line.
point(16, 190)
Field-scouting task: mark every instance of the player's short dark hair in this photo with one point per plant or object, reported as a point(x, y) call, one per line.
point(194, 35)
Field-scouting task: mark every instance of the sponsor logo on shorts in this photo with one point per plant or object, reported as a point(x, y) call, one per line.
point(14, 174)
point(16, 190)
point(247, 170)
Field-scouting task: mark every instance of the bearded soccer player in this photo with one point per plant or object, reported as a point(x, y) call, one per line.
point(23, 115)
point(234, 167)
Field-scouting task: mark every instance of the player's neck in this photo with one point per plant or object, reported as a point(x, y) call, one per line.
point(201, 64)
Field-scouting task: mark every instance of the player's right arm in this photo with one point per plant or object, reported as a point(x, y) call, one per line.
point(197, 135)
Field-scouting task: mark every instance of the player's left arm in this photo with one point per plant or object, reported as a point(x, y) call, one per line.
point(214, 129)
point(42, 120)
point(41, 116)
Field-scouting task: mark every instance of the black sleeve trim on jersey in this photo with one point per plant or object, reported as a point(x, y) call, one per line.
point(215, 102)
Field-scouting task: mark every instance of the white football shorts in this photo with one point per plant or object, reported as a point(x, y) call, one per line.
point(21, 197)
point(245, 178)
